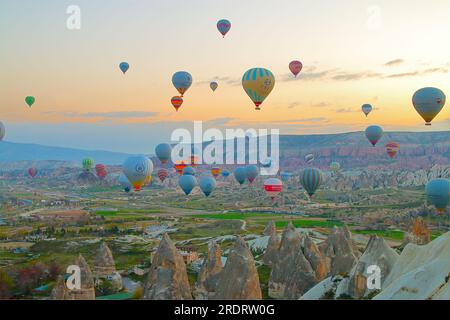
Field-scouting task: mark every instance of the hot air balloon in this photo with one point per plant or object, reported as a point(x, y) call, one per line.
point(207, 185)
point(335, 166)
point(373, 134)
point(163, 151)
point(295, 67)
point(182, 80)
point(177, 102)
point(240, 174)
point(223, 26)
point(284, 175)
point(252, 172)
point(180, 166)
point(30, 100)
point(124, 66)
point(311, 178)
point(162, 174)
point(100, 170)
point(187, 182)
point(366, 108)
point(137, 169)
point(2, 131)
point(438, 193)
point(258, 83)
point(88, 164)
point(124, 182)
point(189, 171)
point(391, 149)
point(225, 173)
point(32, 172)
point(309, 158)
point(428, 102)
point(213, 85)
point(148, 181)
point(273, 187)
point(215, 171)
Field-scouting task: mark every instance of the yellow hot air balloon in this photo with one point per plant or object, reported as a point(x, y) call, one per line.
point(258, 83)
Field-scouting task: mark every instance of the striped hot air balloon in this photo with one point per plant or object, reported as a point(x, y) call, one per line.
point(176, 101)
point(215, 172)
point(311, 178)
point(258, 83)
point(162, 174)
point(180, 166)
point(88, 164)
point(309, 158)
point(223, 26)
point(392, 149)
point(100, 170)
point(273, 187)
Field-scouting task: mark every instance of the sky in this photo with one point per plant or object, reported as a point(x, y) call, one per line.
point(353, 52)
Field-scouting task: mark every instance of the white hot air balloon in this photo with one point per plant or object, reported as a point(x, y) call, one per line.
point(138, 170)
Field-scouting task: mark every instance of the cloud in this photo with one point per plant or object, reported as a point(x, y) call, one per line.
point(320, 104)
point(119, 114)
point(402, 75)
point(294, 104)
point(306, 120)
point(345, 110)
point(344, 76)
point(221, 80)
point(394, 62)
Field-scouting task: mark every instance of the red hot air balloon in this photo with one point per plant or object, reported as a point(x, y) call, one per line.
point(180, 166)
point(273, 186)
point(392, 149)
point(177, 101)
point(295, 67)
point(100, 170)
point(162, 174)
point(32, 172)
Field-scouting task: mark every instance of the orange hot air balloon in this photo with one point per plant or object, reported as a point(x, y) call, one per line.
point(180, 166)
point(392, 149)
point(216, 171)
point(177, 101)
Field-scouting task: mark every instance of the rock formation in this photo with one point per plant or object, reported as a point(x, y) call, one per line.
point(86, 292)
point(340, 250)
point(318, 261)
point(105, 268)
point(292, 274)
point(239, 278)
point(420, 273)
point(208, 276)
point(377, 253)
point(168, 278)
point(418, 233)
point(270, 229)
point(271, 253)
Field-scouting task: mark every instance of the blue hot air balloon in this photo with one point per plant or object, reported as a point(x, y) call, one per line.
point(223, 26)
point(138, 170)
point(438, 193)
point(373, 134)
point(311, 178)
point(252, 172)
point(163, 152)
point(207, 184)
point(124, 66)
point(428, 102)
point(125, 183)
point(182, 80)
point(240, 174)
point(285, 175)
point(187, 183)
point(189, 171)
point(225, 173)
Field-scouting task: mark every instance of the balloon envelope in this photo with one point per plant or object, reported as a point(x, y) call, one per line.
point(215, 171)
point(187, 183)
point(2, 131)
point(311, 178)
point(100, 170)
point(30, 100)
point(88, 164)
point(392, 149)
point(273, 186)
point(240, 174)
point(124, 182)
point(124, 66)
point(189, 171)
point(213, 85)
point(373, 134)
point(163, 151)
point(428, 102)
point(138, 169)
point(32, 172)
point(366, 109)
point(284, 175)
point(309, 158)
point(182, 80)
point(176, 102)
point(295, 67)
point(225, 173)
point(223, 26)
point(438, 193)
point(162, 174)
point(258, 83)
point(252, 172)
point(179, 167)
point(207, 185)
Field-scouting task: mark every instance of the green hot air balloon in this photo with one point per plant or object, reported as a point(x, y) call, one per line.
point(438, 193)
point(30, 100)
point(88, 164)
point(311, 178)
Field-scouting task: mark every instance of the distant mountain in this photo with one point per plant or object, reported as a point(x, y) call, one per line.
point(12, 152)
